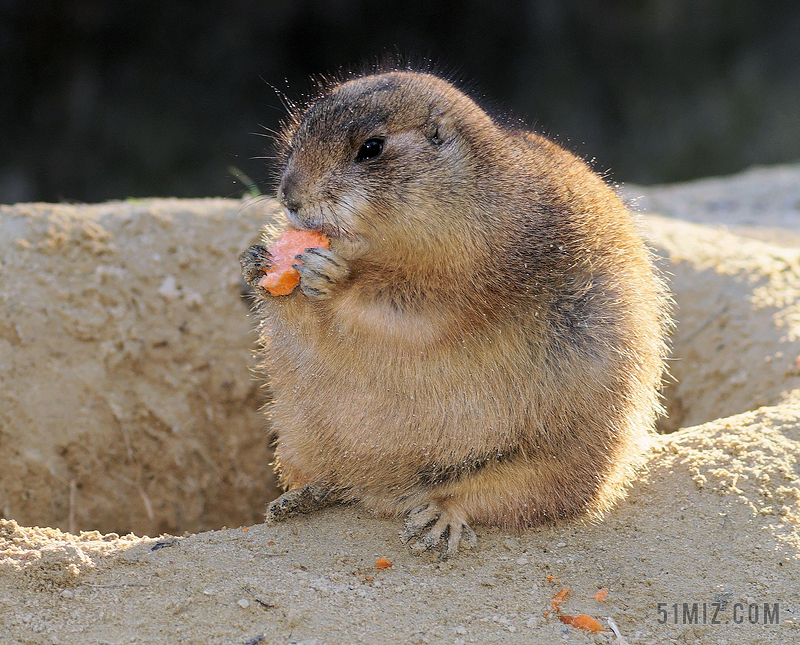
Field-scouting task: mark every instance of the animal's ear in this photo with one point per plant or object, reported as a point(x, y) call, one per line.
point(440, 128)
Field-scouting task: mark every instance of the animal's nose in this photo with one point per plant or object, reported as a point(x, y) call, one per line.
point(288, 192)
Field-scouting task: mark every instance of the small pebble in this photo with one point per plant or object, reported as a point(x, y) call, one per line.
point(243, 603)
point(67, 594)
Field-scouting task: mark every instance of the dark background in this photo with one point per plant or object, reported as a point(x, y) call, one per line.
point(108, 100)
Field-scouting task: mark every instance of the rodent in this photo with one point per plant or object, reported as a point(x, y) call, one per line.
point(484, 342)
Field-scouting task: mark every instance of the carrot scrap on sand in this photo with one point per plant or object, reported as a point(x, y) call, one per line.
point(582, 621)
point(560, 597)
point(601, 595)
point(383, 563)
point(282, 277)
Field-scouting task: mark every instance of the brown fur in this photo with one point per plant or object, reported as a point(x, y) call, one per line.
point(495, 345)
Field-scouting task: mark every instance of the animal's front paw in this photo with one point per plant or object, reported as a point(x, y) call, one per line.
point(296, 502)
point(428, 526)
point(321, 270)
point(255, 261)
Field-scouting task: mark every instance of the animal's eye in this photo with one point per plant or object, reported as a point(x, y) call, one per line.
point(370, 149)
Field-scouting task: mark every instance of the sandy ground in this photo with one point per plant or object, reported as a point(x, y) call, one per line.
point(127, 404)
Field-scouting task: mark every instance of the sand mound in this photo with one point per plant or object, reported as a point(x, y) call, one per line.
point(127, 404)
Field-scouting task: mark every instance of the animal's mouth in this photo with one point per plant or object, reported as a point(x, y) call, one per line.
point(311, 224)
point(296, 221)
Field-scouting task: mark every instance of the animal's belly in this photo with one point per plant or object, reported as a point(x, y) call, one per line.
point(389, 419)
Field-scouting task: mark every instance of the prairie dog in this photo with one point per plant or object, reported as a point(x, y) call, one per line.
point(484, 341)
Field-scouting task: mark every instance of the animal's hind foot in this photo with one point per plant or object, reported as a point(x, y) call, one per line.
point(429, 526)
point(297, 501)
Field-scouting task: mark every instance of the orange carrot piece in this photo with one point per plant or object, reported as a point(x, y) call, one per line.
point(383, 563)
point(560, 597)
point(282, 278)
point(582, 621)
point(601, 595)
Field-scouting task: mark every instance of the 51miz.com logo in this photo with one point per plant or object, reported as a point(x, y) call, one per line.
point(719, 613)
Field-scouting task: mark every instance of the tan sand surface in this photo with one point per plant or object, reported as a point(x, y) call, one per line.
point(127, 404)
